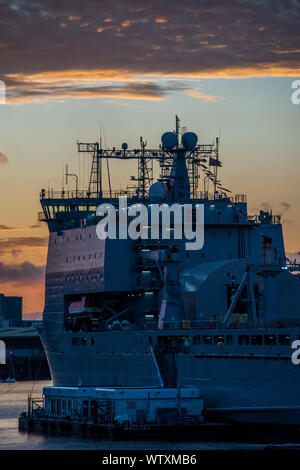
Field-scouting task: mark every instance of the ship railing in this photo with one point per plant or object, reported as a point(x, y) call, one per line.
point(198, 324)
point(130, 193)
point(83, 194)
point(219, 324)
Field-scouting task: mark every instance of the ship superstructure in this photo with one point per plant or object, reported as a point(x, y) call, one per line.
point(151, 313)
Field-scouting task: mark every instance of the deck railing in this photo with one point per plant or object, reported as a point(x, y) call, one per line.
point(196, 325)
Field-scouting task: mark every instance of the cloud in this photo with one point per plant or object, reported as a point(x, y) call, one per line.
point(24, 91)
point(8, 245)
point(7, 228)
point(139, 38)
point(285, 206)
point(265, 206)
point(24, 273)
point(196, 93)
point(3, 159)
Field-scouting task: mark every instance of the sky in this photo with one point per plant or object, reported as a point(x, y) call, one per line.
point(69, 68)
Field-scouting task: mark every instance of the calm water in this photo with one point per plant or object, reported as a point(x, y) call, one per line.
point(13, 400)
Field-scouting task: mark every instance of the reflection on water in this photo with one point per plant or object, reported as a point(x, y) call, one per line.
point(13, 400)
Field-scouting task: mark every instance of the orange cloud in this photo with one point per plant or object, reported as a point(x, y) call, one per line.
point(85, 84)
point(200, 95)
point(23, 90)
point(126, 23)
point(3, 159)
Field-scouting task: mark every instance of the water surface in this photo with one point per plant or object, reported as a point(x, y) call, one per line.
point(13, 400)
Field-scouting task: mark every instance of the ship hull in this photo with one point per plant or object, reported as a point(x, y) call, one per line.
point(238, 383)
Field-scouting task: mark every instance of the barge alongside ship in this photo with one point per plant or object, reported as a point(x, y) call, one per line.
point(147, 314)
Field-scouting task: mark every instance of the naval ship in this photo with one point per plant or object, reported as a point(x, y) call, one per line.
point(144, 312)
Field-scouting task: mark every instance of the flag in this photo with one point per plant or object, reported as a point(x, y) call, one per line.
point(214, 162)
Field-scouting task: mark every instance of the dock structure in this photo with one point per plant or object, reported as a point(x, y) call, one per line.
point(25, 358)
point(106, 411)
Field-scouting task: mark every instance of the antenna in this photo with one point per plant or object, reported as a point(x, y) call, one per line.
point(100, 136)
point(177, 125)
point(73, 176)
point(217, 165)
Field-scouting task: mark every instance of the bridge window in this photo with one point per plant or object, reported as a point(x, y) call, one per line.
point(85, 408)
point(284, 340)
point(243, 340)
point(83, 341)
point(75, 341)
point(178, 344)
point(256, 340)
point(207, 339)
point(229, 339)
point(197, 339)
point(270, 340)
point(219, 339)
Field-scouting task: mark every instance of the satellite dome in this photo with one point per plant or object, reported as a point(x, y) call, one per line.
point(157, 191)
point(169, 140)
point(124, 146)
point(189, 140)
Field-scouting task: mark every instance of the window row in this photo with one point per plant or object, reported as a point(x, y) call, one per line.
point(78, 237)
point(83, 257)
point(81, 277)
point(268, 340)
point(82, 341)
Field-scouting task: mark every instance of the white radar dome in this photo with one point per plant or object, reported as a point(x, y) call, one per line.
point(169, 140)
point(157, 191)
point(189, 140)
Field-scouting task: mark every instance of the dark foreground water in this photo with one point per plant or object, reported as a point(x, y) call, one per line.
point(13, 400)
